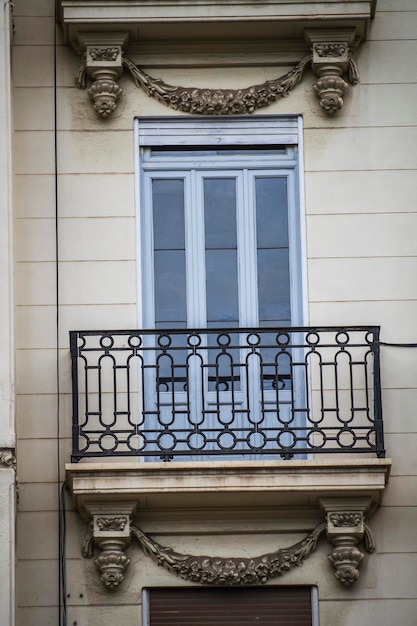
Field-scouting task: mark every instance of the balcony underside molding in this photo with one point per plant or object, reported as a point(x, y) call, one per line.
point(224, 485)
point(214, 20)
point(331, 33)
point(114, 497)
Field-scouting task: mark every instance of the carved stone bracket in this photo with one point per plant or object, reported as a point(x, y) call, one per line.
point(346, 528)
point(111, 533)
point(103, 65)
point(331, 60)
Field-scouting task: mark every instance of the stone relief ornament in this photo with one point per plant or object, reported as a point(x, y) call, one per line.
point(331, 49)
point(103, 65)
point(7, 458)
point(217, 101)
point(230, 571)
point(345, 519)
point(111, 523)
point(346, 560)
point(112, 535)
point(345, 530)
point(332, 61)
point(105, 91)
point(103, 54)
point(112, 562)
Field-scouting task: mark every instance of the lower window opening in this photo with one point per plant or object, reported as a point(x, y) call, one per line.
point(225, 606)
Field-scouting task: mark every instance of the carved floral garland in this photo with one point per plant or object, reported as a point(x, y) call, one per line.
point(230, 571)
point(202, 101)
point(217, 101)
point(220, 570)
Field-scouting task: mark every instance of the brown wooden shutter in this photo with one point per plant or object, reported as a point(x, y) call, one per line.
point(268, 606)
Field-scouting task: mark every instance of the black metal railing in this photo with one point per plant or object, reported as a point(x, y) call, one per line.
point(230, 393)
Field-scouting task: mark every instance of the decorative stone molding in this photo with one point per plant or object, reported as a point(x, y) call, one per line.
point(346, 528)
point(104, 66)
point(111, 534)
point(102, 63)
point(8, 458)
point(230, 571)
point(198, 569)
point(203, 101)
point(331, 60)
point(269, 491)
point(219, 23)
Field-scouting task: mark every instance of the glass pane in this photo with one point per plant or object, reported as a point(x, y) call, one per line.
point(273, 285)
point(221, 249)
point(168, 213)
point(170, 298)
point(271, 212)
point(221, 282)
point(273, 249)
point(220, 212)
point(169, 251)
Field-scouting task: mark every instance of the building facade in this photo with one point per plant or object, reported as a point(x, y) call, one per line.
point(208, 303)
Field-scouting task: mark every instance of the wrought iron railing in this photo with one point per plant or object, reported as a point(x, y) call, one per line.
point(230, 393)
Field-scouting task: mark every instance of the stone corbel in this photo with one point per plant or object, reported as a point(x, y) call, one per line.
point(110, 532)
point(346, 528)
point(332, 60)
point(103, 66)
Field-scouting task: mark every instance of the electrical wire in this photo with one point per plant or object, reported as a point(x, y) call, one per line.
point(61, 488)
point(62, 554)
point(388, 344)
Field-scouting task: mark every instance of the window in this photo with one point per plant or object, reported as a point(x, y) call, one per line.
point(220, 247)
point(295, 606)
point(219, 223)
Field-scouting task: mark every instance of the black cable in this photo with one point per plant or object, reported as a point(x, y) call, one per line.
point(61, 492)
point(62, 569)
point(397, 345)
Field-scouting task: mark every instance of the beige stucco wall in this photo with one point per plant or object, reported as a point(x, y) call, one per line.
point(7, 405)
point(361, 217)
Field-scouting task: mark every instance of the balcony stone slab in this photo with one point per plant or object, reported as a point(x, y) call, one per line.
point(279, 485)
point(148, 20)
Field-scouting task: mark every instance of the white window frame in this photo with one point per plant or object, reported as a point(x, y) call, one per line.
point(221, 132)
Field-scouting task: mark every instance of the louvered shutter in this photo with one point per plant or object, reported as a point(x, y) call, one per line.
point(266, 606)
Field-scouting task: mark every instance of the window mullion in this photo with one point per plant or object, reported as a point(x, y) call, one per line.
point(194, 233)
point(246, 226)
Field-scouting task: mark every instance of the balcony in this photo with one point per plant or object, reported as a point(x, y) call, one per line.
point(226, 394)
point(278, 426)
